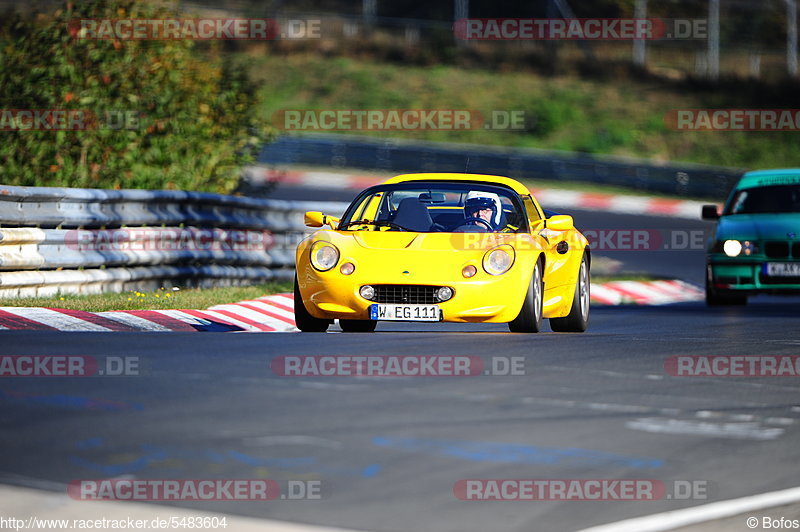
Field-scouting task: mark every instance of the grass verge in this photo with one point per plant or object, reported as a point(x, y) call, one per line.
point(193, 298)
point(618, 117)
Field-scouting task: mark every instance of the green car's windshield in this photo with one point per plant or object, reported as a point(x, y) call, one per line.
point(428, 207)
point(760, 200)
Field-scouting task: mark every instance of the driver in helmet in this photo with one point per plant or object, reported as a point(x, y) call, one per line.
point(482, 212)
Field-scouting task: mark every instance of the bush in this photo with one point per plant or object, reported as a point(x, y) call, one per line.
point(188, 115)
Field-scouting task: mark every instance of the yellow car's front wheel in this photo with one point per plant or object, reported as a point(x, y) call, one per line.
point(529, 319)
point(302, 318)
point(578, 318)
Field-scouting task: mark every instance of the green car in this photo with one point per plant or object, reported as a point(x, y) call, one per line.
point(756, 247)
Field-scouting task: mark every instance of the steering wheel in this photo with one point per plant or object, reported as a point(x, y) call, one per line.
point(481, 220)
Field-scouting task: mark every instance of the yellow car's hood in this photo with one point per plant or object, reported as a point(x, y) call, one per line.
point(431, 241)
point(386, 239)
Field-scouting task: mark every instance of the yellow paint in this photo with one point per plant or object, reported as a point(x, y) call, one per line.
point(437, 259)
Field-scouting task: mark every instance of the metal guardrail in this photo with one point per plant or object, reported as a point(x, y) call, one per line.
point(683, 179)
point(65, 240)
point(87, 208)
point(44, 283)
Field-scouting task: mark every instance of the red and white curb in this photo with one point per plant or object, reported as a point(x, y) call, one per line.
point(548, 197)
point(645, 293)
point(275, 313)
point(618, 203)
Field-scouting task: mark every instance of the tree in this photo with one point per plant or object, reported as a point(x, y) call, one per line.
point(164, 113)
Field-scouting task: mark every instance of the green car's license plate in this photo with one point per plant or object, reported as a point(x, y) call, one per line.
point(782, 269)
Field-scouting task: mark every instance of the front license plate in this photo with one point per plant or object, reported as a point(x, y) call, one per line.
point(383, 312)
point(782, 269)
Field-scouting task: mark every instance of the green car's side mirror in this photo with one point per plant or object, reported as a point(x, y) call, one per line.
point(710, 212)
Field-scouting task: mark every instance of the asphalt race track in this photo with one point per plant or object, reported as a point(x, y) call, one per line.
point(389, 450)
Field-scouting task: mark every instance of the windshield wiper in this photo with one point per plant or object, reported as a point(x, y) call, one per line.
point(382, 223)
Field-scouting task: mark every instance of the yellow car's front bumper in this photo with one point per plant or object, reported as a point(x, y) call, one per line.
point(496, 299)
point(482, 298)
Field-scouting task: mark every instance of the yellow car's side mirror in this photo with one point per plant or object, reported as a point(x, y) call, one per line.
point(317, 219)
point(314, 219)
point(560, 222)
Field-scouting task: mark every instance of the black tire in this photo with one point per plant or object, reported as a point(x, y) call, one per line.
point(529, 319)
point(578, 318)
point(358, 325)
point(302, 319)
point(718, 298)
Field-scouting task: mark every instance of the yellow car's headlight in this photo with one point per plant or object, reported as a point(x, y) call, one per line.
point(497, 261)
point(324, 255)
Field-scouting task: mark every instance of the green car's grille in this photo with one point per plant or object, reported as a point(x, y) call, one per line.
point(766, 279)
point(776, 250)
point(735, 279)
point(780, 249)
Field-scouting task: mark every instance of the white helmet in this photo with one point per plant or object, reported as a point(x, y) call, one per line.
point(477, 199)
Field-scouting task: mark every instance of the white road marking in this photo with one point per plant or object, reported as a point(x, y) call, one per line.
point(701, 514)
point(736, 431)
point(297, 439)
point(779, 420)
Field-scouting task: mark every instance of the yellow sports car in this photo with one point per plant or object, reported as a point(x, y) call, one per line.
point(443, 247)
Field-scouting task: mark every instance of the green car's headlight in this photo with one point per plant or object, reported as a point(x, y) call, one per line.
point(497, 261)
point(324, 255)
point(734, 248)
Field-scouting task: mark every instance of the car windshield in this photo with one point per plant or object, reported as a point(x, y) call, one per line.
point(436, 207)
point(772, 199)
